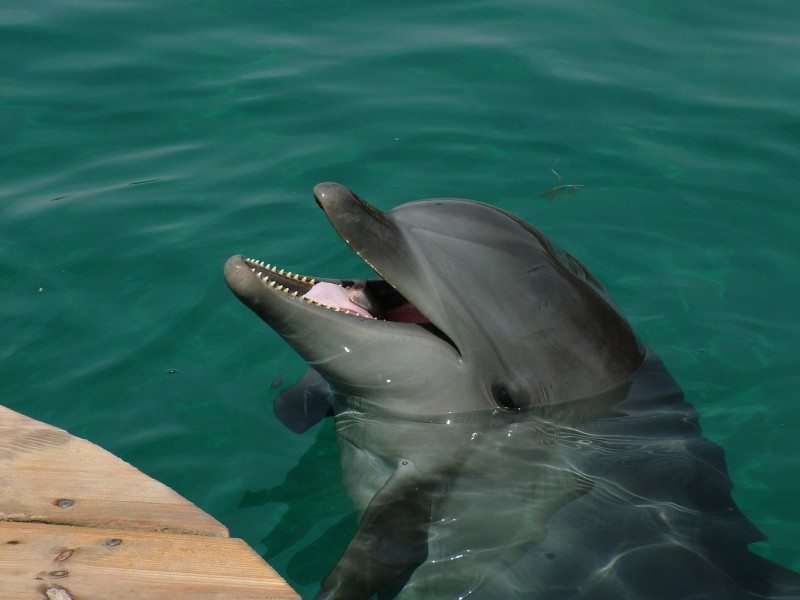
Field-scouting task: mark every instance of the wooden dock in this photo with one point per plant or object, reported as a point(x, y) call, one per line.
point(78, 523)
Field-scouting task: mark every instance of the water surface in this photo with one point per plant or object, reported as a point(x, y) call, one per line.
point(143, 143)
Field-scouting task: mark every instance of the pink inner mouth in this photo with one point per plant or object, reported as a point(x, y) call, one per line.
point(406, 313)
point(336, 296)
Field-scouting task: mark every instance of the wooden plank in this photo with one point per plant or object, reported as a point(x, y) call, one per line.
point(50, 476)
point(60, 562)
point(78, 523)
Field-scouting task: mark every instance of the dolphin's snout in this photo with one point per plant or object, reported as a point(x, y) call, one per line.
point(329, 194)
point(231, 268)
point(237, 276)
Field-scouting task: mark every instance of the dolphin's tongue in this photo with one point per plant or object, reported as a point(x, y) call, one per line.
point(355, 300)
point(335, 296)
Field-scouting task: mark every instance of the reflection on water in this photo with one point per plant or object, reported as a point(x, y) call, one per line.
point(679, 119)
point(318, 475)
point(616, 496)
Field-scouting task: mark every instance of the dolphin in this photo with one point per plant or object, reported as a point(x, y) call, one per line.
point(503, 431)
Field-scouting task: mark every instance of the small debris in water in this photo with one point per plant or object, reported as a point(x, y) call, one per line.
point(570, 188)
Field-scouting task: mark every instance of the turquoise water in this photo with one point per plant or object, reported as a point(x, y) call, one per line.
point(144, 143)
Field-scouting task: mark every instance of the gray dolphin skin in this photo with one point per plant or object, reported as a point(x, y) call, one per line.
point(503, 432)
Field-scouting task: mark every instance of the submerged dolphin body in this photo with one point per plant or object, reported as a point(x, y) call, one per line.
point(503, 432)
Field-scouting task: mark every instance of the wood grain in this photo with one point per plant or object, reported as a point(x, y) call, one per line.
point(50, 476)
point(92, 563)
point(78, 523)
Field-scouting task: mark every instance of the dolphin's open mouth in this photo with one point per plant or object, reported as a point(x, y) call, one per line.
point(369, 298)
point(401, 302)
point(356, 298)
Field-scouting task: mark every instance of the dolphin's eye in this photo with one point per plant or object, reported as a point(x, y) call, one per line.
point(503, 397)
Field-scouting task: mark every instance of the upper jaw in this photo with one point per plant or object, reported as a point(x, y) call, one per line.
point(363, 227)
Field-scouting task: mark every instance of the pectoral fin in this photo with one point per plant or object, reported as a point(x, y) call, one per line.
point(391, 541)
point(305, 404)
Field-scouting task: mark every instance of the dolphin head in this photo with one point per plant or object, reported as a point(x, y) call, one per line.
point(473, 309)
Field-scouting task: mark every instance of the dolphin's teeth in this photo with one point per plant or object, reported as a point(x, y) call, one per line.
point(263, 274)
